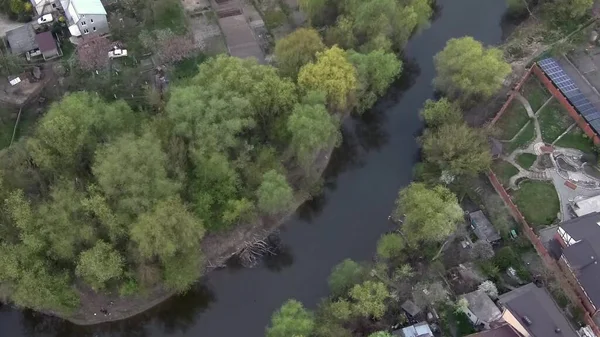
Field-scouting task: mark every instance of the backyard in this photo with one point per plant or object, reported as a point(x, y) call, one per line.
point(554, 120)
point(513, 119)
point(538, 202)
point(576, 139)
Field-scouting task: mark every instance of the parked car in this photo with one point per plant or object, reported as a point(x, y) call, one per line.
point(47, 18)
point(117, 52)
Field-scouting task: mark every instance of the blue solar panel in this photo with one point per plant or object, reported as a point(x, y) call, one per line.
point(566, 85)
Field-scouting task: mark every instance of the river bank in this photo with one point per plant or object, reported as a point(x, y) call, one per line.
point(361, 183)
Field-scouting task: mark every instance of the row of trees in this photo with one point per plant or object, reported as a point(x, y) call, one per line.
point(362, 295)
point(117, 199)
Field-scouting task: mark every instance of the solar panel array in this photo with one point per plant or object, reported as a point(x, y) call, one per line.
point(564, 83)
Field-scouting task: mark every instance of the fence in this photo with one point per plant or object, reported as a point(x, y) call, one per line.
point(511, 96)
point(568, 282)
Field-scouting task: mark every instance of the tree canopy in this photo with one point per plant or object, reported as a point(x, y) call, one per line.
point(457, 149)
point(441, 112)
point(291, 320)
point(390, 246)
point(274, 193)
point(369, 299)
point(430, 213)
point(331, 74)
point(344, 276)
point(467, 69)
point(297, 49)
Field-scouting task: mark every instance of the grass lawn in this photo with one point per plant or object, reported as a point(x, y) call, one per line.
point(512, 121)
point(535, 93)
point(522, 140)
point(187, 68)
point(538, 202)
point(526, 160)
point(576, 139)
point(504, 170)
point(554, 120)
point(7, 124)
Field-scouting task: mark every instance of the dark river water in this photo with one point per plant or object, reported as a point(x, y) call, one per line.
point(366, 172)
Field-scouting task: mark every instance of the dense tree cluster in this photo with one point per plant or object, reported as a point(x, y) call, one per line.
point(368, 25)
point(112, 198)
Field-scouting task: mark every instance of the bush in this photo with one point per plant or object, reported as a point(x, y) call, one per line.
point(505, 258)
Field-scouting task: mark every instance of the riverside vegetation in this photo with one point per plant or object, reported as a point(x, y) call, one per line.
point(110, 197)
point(365, 297)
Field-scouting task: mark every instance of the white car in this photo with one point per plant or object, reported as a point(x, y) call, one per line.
point(45, 19)
point(117, 52)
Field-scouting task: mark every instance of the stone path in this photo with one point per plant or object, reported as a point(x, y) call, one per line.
point(586, 186)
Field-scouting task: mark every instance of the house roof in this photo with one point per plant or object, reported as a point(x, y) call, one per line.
point(411, 308)
point(587, 206)
point(45, 41)
point(537, 312)
point(21, 39)
point(418, 330)
point(483, 228)
point(482, 306)
point(84, 7)
point(583, 256)
point(502, 331)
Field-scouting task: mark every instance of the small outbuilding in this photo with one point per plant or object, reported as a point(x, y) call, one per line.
point(421, 329)
point(21, 39)
point(481, 310)
point(411, 308)
point(483, 228)
point(47, 45)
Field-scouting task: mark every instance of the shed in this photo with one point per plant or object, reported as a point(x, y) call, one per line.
point(421, 329)
point(22, 39)
point(47, 45)
point(481, 309)
point(411, 308)
point(483, 228)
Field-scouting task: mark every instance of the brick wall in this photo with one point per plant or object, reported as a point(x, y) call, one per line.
point(511, 96)
point(568, 283)
point(563, 100)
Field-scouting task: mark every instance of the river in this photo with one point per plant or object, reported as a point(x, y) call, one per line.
point(362, 181)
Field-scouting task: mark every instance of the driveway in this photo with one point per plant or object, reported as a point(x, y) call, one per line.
point(6, 25)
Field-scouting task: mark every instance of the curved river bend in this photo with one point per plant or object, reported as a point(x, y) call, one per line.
point(365, 174)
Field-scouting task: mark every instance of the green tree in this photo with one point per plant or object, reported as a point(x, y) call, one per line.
point(297, 49)
point(331, 74)
point(369, 299)
point(457, 149)
point(466, 69)
point(291, 320)
point(342, 33)
point(380, 334)
point(441, 112)
point(314, 9)
point(390, 246)
point(570, 9)
point(168, 229)
point(133, 188)
point(274, 194)
point(312, 129)
point(375, 71)
point(430, 214)
point(344, 276)
point(182, 270)
point(69, 132)
point(99, 265)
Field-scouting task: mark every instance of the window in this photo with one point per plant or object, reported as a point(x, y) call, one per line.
point(85, 31)
point(92, 20)
point(94, 28)
point(83, 23)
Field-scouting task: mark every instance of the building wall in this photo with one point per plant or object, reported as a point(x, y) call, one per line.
point(514, 322)
point(93, 24)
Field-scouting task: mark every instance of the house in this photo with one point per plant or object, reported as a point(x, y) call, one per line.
point(421, 329)
point(533, 313)
point(411, 308)
point(579, 240)
point(483, 228)
point(44, 6)
point(85, 17)
point(481, 310)
point(21, 40)
point(505, 330)
point(47, 45)
point(586, 206)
